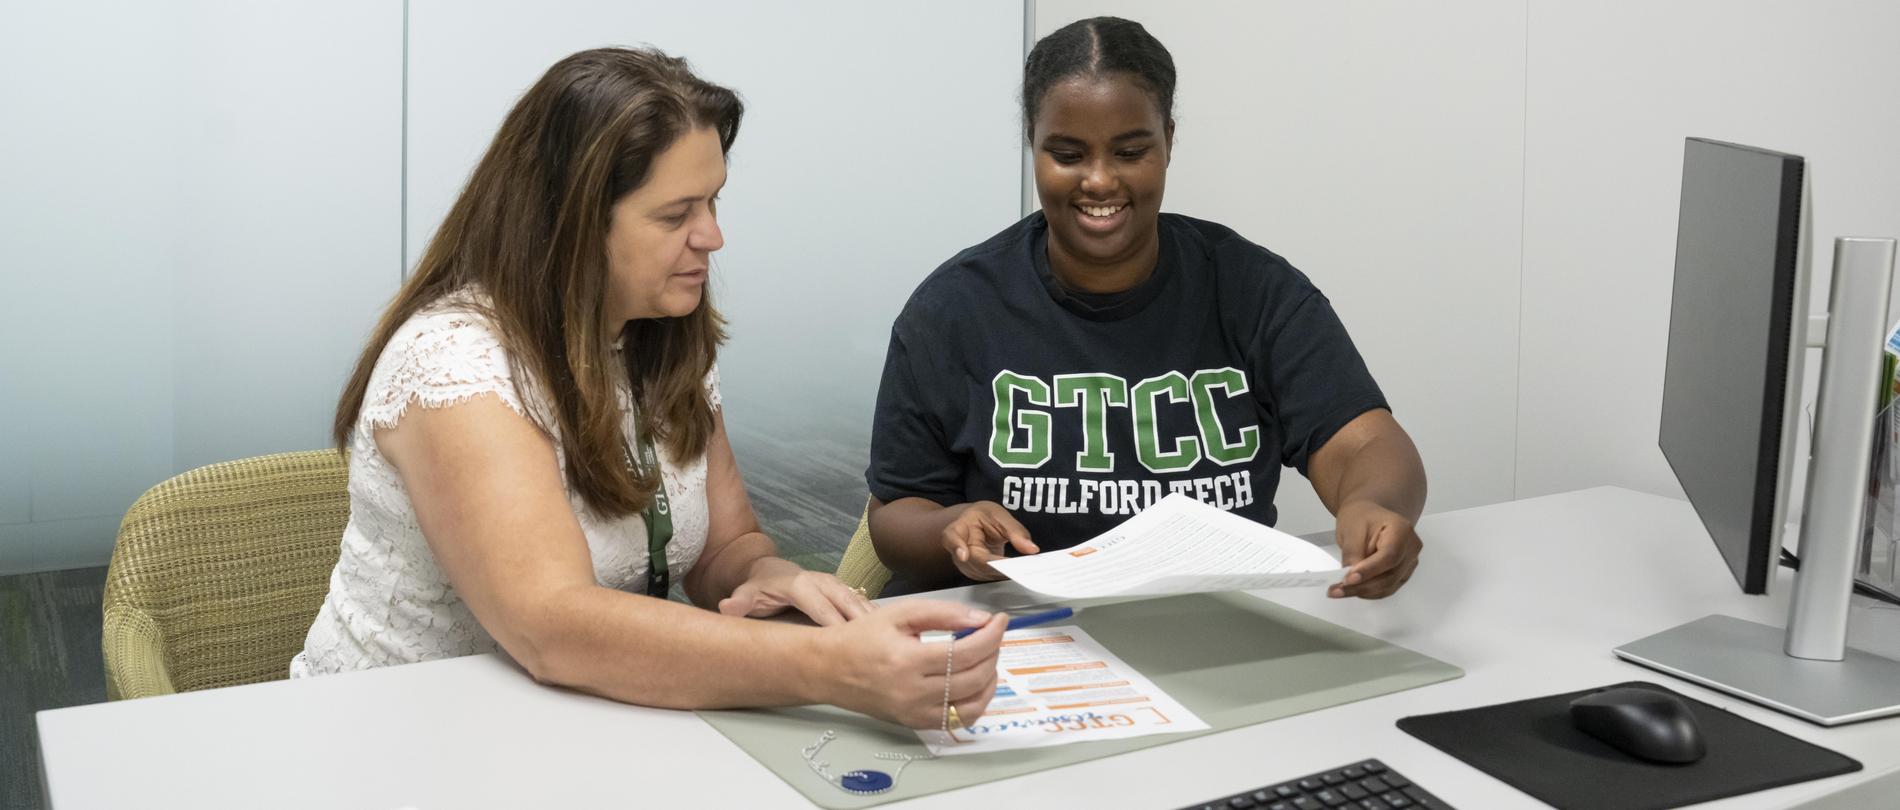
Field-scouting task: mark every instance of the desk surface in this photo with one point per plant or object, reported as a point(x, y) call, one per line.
point(1528, 597)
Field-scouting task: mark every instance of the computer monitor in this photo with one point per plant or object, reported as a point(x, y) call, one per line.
point(1738, 331)
point(1733, 377)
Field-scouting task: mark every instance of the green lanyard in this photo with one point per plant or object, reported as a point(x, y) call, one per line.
point(659, 520)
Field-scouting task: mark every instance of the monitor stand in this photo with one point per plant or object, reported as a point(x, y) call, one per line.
point(1747, 659)
point(1807, 670)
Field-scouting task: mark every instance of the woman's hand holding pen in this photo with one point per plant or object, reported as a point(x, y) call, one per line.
point(978, 536)
point(878, 666)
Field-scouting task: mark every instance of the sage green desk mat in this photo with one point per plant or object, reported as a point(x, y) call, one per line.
point(1232, 659)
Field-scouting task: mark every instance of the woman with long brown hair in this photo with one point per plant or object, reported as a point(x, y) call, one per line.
point(537, 449)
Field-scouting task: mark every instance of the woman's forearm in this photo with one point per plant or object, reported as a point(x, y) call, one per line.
point(727, 566)
point(908, 536)
point(653, 652)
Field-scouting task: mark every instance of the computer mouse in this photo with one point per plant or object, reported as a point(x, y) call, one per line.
point(1643, 723)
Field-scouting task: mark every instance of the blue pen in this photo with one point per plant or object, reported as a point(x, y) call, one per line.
point(1021, 622)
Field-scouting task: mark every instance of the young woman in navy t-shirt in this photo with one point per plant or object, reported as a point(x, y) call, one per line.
point(1048, 383)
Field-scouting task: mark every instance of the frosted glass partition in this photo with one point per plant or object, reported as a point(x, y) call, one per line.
point(85, 274)
point(292, 241)
point(201, 208)
point(879, 139)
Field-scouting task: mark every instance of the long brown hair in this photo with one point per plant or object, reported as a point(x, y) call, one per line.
point(530, 230)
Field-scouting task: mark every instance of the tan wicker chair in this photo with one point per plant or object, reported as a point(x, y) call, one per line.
point(219, 572)
point(860, 567)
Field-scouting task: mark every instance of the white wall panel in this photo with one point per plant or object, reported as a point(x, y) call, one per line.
point(1378, 147)
point(1614, 89)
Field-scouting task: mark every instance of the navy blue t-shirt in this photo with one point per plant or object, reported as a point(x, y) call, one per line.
point(1075, 411)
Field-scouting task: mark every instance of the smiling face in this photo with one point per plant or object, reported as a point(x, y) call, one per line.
point(1102, 148)
point(662, 235)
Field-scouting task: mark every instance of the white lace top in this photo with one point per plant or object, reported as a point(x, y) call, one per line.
point(388, 602)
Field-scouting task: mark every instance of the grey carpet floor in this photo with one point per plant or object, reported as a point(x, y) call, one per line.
point(49, 658)
point(808, 493)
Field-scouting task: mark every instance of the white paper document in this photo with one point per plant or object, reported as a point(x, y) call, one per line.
point(1054, 686)
point(1178, 545)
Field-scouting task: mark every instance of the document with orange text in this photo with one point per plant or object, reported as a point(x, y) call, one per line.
point(1056, 685)
point(1178, 545)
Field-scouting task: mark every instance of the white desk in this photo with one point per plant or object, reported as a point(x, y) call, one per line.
point(1528, 597)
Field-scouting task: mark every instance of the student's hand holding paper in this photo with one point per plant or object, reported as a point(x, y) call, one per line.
point(1176, 545)
point(1379, 548)
point(978, 536)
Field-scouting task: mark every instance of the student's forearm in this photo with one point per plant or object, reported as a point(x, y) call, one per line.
point(1387, 471)
point(908, 536)
point(653, 652)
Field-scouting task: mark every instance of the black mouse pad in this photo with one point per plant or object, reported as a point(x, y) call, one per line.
point(1531, 746)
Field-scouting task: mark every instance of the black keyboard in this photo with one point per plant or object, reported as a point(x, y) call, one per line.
point(1367, 785)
